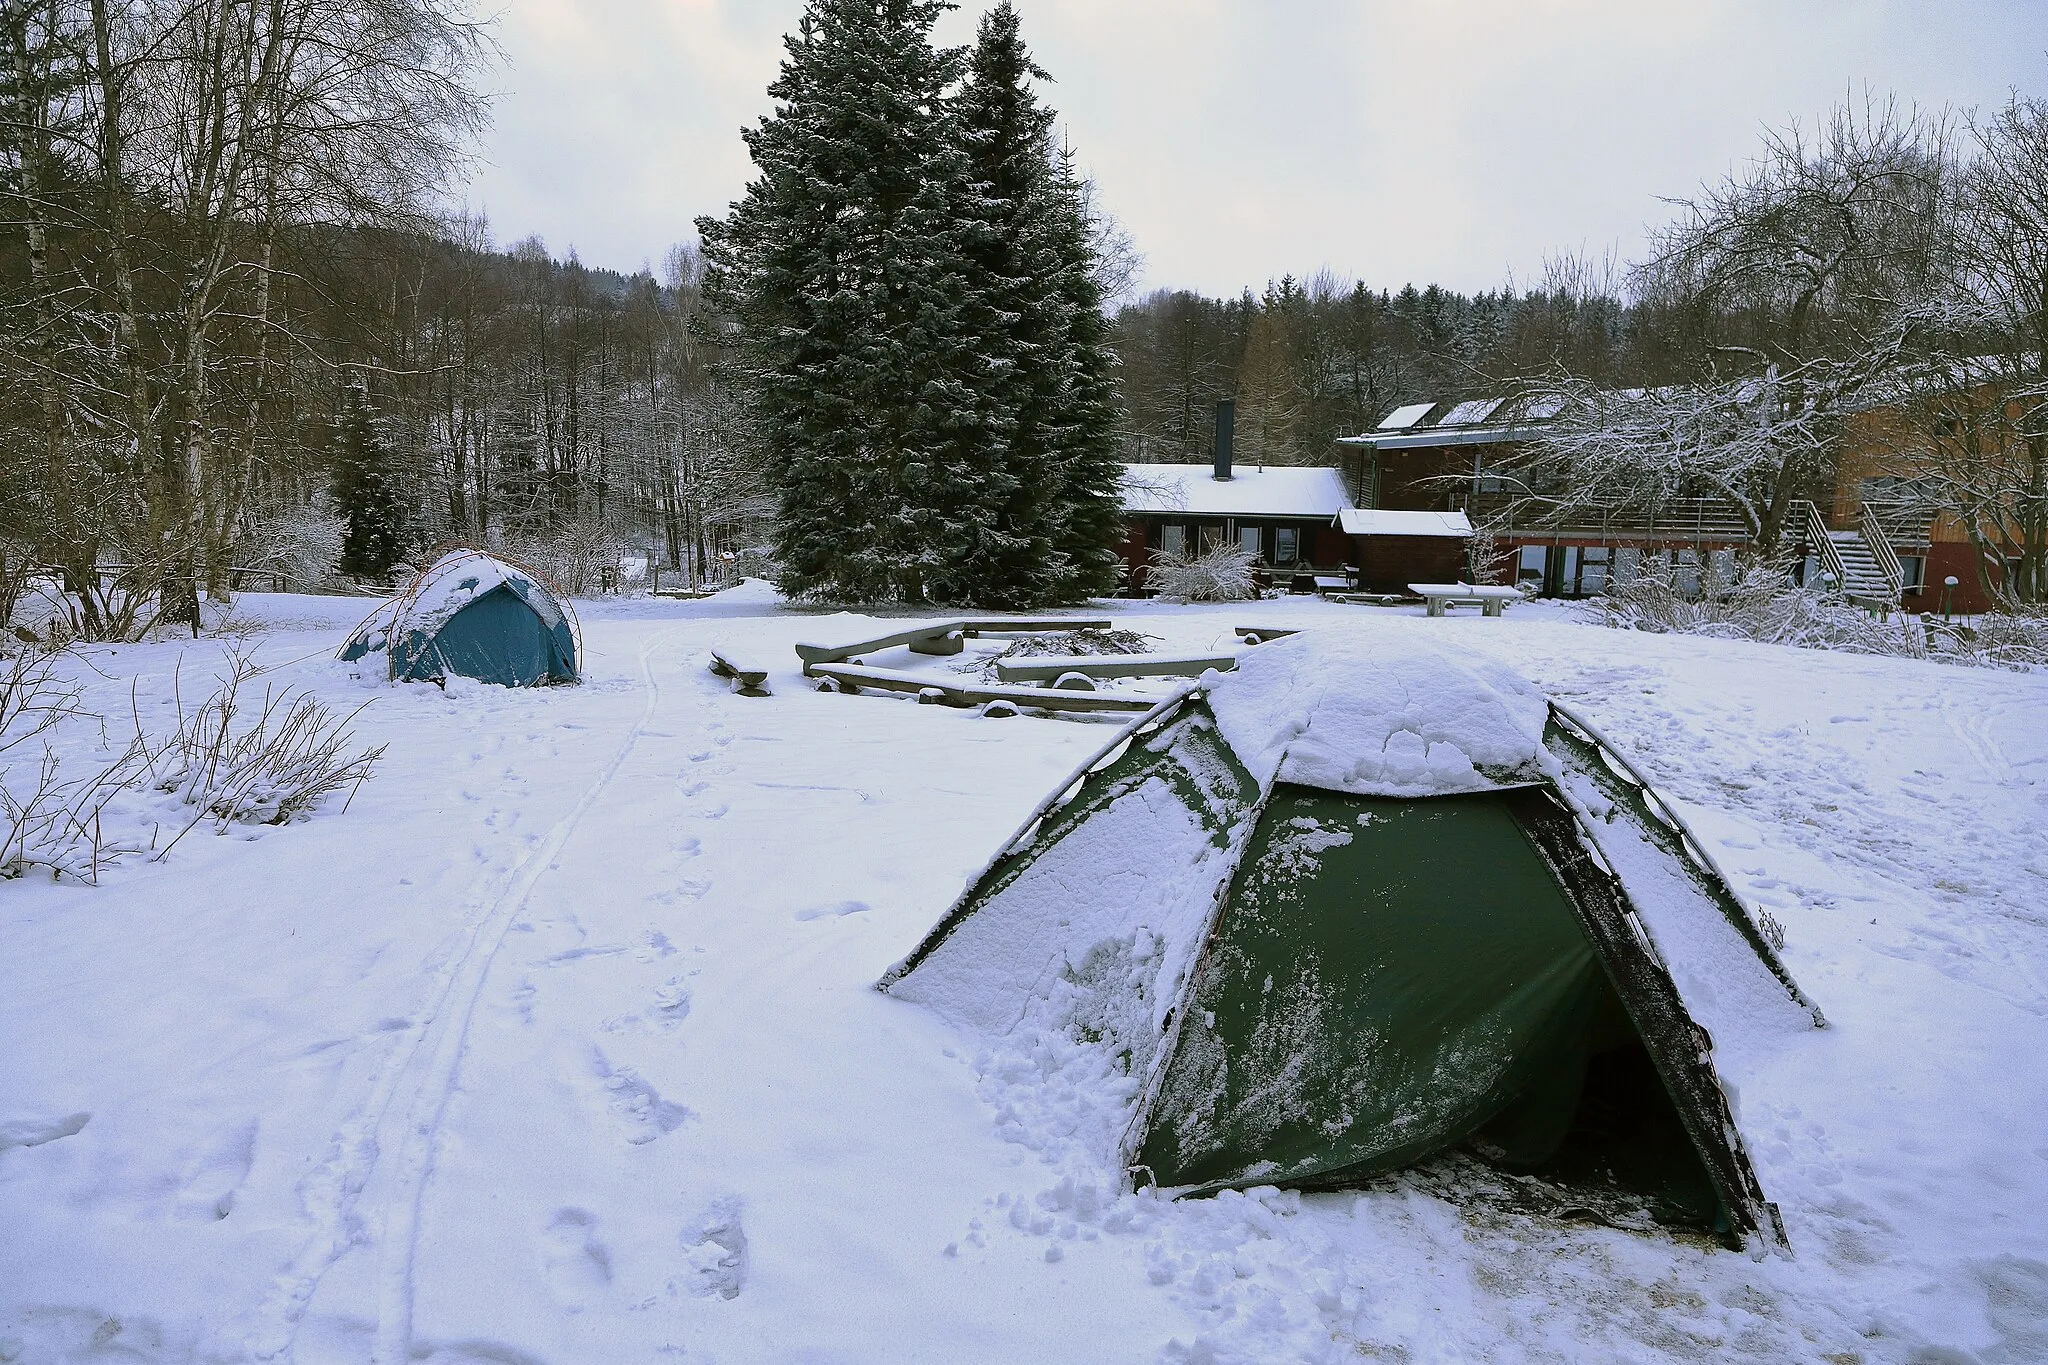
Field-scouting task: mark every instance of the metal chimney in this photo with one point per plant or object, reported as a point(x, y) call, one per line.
point(1226, 432)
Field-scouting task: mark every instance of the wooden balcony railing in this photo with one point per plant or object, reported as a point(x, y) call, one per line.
point(1682, 520)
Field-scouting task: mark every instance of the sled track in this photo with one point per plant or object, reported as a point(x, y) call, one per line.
point(413, 1087)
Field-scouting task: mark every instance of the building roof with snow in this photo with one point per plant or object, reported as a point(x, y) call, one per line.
point(1193, 490)
point(1476, 421)
point(1376, 521)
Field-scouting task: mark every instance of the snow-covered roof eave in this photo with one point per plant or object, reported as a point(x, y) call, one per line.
point(1374, 521)
point(1306, 493)
point(1420, 440)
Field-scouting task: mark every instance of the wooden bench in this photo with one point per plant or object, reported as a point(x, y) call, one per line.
point(1046, 668)
point(1258, 635)
point(937, 637)
point(747, 676)
point(853, 677)
point(1441, 597)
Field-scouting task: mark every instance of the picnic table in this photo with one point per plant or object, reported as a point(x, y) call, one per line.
point(1441, 597)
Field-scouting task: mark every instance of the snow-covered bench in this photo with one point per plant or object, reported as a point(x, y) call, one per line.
point(854, 677)
point(748, 676)
point(1441, 597)
point(1046, 668)
point(935, 637)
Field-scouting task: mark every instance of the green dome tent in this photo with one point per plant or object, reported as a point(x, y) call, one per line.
point(474, 616)
point(1354, 906)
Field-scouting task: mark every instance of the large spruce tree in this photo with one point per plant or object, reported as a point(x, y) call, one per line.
point(1037, 267)
point(854, 320)
point(365, 487)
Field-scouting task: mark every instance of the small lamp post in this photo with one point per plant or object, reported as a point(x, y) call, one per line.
point(1948, 587)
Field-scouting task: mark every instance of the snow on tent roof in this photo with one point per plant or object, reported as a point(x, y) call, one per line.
point(1374, 717)
point(1378, 521)
point(1408, 416)
point(460, 577)
point(1193, 489)
point(1470, 412)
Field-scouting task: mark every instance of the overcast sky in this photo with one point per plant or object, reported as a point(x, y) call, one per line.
point(1455, 141)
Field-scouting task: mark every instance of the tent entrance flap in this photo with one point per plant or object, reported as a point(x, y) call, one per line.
point(1394, 978)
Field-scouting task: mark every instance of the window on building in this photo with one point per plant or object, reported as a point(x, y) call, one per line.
point(1593, 562)
point(1628, 564)
point(1173, 538)
point(1914, 576)
point(1687, 572)
point(1212, 538)
point(1250, 540)
point(1531, 565)
point(1286, 545)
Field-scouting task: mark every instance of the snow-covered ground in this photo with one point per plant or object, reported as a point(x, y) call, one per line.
point(560, 1045)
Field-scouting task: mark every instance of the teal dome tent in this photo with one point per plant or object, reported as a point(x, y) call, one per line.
point(474, 616)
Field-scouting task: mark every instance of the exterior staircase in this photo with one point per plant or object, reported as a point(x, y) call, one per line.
point(1862, 563)
point(1863, 581)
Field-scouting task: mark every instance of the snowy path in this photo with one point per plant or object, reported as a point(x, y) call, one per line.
point(560, 1046)
point(408, 1098)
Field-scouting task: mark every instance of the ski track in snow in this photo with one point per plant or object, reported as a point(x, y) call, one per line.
point(412, 1089)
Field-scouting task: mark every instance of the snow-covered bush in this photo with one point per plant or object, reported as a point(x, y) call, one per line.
point(300, 542)
point(265, 763)
point(121, 606)
point(581, 558)
point(1220, 574)
point(1760, 602)
point(227, 761)
point(1998, 640)
point(49, 819)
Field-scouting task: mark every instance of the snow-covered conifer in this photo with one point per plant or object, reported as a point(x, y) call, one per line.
point(1037, 262)
point(365, 485)
point(841, 284)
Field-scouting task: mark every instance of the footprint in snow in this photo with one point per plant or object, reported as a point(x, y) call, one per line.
point(715, 1247)
point(215, 1177)
point(638, 1105)
point(837, 910)
point(672, 1003)
point(578, 1265)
